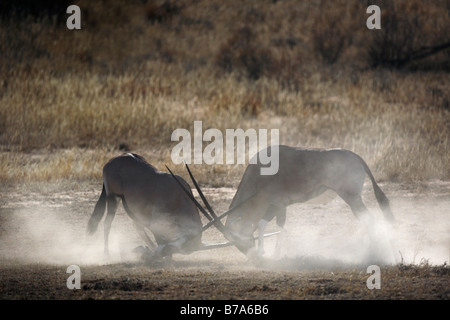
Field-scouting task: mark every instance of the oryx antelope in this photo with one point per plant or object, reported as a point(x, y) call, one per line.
point(153, 200)
point(303, 175)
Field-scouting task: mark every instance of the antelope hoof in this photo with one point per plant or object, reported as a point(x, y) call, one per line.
point(145, 253)
point(254, 255)
point(140, 249)
point(261, 252)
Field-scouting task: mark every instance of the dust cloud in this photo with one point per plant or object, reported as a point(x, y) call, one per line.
point(316, 235)
point(49, 236)
point(329, 235)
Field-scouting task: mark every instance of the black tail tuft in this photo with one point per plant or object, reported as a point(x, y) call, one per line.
point(383, 201)
point(97, 215)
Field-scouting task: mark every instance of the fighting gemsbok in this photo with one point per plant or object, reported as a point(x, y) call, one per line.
point(154, 201)
point(303, 175)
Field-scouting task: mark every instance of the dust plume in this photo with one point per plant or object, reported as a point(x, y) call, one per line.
point(57, 237)
point(330, 236)
point(52, 229)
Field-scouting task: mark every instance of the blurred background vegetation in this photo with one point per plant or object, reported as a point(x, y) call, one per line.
point(137, 70)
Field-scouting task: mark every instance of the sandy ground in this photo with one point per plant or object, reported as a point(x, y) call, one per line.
point(325, 251)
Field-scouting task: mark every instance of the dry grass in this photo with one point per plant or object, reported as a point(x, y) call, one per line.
point(72, 99)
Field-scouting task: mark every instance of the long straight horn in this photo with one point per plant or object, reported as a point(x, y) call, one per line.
point(216, 220)
point(231, 243)
point(210, 209)
point(191, 196)
point(219, 225)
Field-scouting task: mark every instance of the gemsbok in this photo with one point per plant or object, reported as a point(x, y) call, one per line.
point(153, 200)
point(303, 175)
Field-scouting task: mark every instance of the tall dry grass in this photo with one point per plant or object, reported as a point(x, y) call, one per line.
point(69, 100)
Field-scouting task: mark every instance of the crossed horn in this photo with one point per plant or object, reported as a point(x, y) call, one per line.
point(215, 220)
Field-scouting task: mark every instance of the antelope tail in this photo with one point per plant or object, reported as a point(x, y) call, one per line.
point(383, 201)
point(97, 215)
